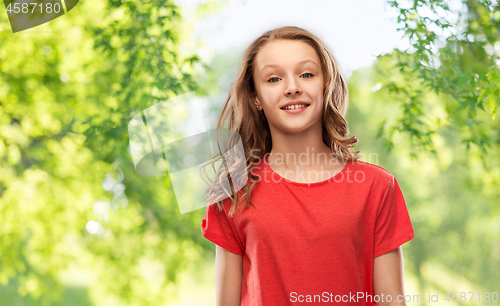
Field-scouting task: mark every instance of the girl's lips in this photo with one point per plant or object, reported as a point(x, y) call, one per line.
point(295, 111)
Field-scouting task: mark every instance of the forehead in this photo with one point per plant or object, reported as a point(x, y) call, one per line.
point(285, 53)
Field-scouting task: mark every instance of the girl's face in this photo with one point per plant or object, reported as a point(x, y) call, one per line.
point(289, 71)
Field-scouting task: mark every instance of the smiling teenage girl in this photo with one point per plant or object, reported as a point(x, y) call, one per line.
point(321, 226)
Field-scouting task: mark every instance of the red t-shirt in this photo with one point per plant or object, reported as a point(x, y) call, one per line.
point(313, 243)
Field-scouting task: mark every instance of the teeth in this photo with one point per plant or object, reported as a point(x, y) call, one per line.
point(295, 106)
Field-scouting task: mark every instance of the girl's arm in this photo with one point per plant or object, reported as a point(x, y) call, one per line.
point(228, 277)
point(388, 277)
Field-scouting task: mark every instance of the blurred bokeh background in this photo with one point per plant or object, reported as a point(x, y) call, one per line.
point(79, 226)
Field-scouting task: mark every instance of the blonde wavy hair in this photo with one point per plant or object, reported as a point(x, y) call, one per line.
point(252, 126)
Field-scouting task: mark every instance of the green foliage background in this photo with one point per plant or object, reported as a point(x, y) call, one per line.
point(59, 141)
point(426, 114)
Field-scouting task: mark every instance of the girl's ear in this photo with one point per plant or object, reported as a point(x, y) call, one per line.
point(255, 99)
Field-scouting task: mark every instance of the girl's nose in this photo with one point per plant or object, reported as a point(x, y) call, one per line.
point(293, 88)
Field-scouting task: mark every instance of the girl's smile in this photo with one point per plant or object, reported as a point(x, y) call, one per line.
point(295, 108)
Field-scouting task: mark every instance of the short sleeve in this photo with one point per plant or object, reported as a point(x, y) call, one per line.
point(392, 226)
point(219, 228)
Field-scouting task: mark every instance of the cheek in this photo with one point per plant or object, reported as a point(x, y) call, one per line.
point(316, 93)
point(270, 94)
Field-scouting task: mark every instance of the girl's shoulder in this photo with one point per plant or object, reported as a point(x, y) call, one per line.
point(371, 171)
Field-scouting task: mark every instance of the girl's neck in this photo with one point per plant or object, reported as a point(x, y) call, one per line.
point(303, 158)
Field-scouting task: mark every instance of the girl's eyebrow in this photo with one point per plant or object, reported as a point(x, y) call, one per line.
point(299, 63)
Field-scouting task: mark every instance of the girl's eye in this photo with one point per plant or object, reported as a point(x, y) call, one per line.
point(302, 74)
